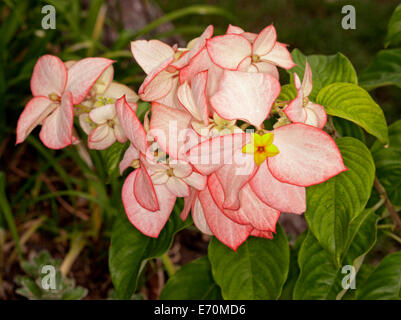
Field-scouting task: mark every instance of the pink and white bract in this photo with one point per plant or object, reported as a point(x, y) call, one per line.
point(207, 138)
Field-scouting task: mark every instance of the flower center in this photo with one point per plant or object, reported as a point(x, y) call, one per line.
point(136, 164)
point(111, 123)
point(54, 97)
point(261, 147)
point(170, 172)
point(255, 58)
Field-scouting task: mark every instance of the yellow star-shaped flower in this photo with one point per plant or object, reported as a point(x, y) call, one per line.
point(261, 147)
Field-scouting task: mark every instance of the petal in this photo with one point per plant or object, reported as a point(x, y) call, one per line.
point(160, 177)
point(37, 109)
point(100, 133)
point(101, 138)
point(249, 36)
point(267, 67)
point(104, 81)
point(150, 54)
point(260, 215)
point(265, 41)
point(144, 191)
point(278, 195)
point(245, 96)
point(148, 222)
point(171, 98)
point(101, 114)
point(307, 155)
point(117, 90)
point(157, 84)
point(199, 219)
point(229, 50)
point(280, 56)
point(199, 63)
point(56, 131)
point(49, 76)
point(181, 169)
point(85, 123)
point(246, 65)
point(234, 176)
point(234, 30)
point(196, 180)
point(178, 187)
point(315, 115)
point(295, 110)
point(132, 126)
point(186, 99)
point(307, 80)
point(196, 48)
point(83, 75)
point(193, 98)
point(129, 156)
point(188, 203)
point(262, 234)
point(227, 231)
point(169, 126)
point(210, 155)
point(217, 194)
point(120, 134)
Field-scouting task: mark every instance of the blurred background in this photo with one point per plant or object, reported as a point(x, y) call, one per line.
point(54, 201)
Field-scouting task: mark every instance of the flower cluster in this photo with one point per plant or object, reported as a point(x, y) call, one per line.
point(206, 137)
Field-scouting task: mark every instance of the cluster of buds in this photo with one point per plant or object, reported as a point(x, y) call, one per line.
point(205, 138)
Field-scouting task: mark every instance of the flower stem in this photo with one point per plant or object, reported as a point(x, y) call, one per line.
point(393, 213)
point(168, 265)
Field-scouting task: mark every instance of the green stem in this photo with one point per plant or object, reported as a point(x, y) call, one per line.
point(392, 235)
point(168, 265)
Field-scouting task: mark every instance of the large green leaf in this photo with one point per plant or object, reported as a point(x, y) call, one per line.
point(129, 249)
point(388, 163)
point(257, 270)
point(393, 36)
point(385, 282)
point(194, 281)
point(332, 205)
point(385, 70)
point(325, 69)
point(351, 102)
point(320, 277)
point(347, 128)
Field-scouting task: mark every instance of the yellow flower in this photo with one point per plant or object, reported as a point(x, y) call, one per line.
point(261, 147)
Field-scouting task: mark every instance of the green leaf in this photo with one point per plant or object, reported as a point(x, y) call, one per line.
point(385, 282)
point(393, 36)
point(347, 128)
point(293, 272)
point(320, 277)
point(129, 249)
point(257, 270)
point(385, 70)
point(194, 281)
point(388, 163)
point(112, 157)
point(287, 93)
point(332, 205)
point(351, 102)
point(325, 69)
